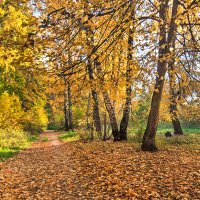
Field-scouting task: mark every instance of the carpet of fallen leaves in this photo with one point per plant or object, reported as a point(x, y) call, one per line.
point(100, 170)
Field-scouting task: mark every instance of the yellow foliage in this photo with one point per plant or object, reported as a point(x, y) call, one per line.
point(35, 120)
point(12, 138)
point(11, 110)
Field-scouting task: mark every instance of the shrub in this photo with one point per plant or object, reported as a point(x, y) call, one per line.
point(13, 138)
point(11, 111)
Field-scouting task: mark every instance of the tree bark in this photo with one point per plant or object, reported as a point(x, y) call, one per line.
point(109, 106)
point(66, 123)
point(112, 116)
point(70, 107)
point(96, 111)
point(173, 101)
point(105, 127)
point(172, 80)
point(126, 110)
point(148, 143)
point(88, 126)
point(96, 115)
point(125, 118)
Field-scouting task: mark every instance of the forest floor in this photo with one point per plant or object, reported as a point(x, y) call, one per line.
point(100, 170)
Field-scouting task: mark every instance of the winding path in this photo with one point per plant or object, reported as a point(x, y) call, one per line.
point(39, 172)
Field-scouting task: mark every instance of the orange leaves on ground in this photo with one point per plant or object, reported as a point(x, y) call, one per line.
point(101, 170)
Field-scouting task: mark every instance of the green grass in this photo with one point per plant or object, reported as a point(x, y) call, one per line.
point(45, 139)
point(190, 138)
point(6, 153)
point(68, 136)
point(185, 130)
point(162, 130)
point(33, 138)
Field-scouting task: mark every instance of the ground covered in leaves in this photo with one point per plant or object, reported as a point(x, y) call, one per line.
point(100, 170)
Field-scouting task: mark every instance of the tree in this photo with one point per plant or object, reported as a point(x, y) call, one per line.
point(148, 143)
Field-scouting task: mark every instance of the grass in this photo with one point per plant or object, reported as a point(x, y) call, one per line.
point(45, 139)
point(6, 153)
point(190, 139)
point(68, 136)
point(185, 130)
point(33, 138)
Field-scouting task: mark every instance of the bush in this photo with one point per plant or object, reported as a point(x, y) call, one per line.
point(12, 138)
point(11, 111)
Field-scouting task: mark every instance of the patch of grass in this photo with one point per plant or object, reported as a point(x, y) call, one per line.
point(185, 130)
point(14, 142)
point(7, 153)
point(190, 139)
point(33, 138)
point(68, 136)
point(45, 139)
point(179, 140)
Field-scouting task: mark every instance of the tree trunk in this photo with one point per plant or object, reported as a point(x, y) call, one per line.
point(125, 118)
point(173, 101)
point(65, 105)
point(96, 115)
point(105, 127)
point(70, 107)
point(177, 126)
point(126, 111)
point(96, 111)
point(111, 113)
point(109, 106)
point(172, 81)
point(148, 143)
point(89, 125)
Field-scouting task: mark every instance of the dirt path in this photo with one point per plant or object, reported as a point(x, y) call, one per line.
point(52, 138)
point(40, 172)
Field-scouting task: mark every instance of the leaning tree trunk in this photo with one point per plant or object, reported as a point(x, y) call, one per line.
point(148, 143)
point(109, 106)
point(65, 105)
point(70, 107)
point(111, 112)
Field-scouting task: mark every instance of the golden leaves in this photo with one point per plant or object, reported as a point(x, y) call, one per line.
point(100, 170)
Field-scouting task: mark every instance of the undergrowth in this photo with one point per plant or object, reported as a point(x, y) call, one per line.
point(14, 140)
